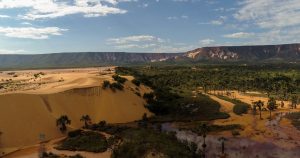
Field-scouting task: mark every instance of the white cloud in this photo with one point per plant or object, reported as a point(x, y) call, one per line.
point(220, 21)
point(7, 51)
point(43, 9)
point(4, 16)
point(147, 43)
point(179, 17)
point(137, 38)
point(270, 13)
point(31, 32)
point(239, 35)
point(206, 42)
point(26, 23)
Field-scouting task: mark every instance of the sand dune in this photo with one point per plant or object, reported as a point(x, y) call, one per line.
point(25, 114)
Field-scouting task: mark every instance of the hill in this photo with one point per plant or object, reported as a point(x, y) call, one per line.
point(261, 53)
point(287, 52)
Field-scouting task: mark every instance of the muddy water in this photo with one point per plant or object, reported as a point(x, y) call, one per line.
point(235, 147)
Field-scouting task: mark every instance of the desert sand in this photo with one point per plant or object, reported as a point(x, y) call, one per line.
point(31, 109)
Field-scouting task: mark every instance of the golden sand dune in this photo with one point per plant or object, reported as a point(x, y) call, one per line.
point(25, 114)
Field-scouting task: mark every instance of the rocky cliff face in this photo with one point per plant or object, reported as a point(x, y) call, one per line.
point(264, 52)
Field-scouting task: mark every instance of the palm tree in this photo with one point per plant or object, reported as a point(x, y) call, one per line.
point(260, 105)
point(86, 119)
point(271, 106)
point(222, 140)
point(62, 123)
point(203, 132)
point(294, 100)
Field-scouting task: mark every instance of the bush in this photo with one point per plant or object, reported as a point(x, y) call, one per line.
point(240, 109)
point(149, 96)
point(295, 118)
point(86, 141)
point(51, 155)
point(235, 133)
point(74, 133)
point(140, 142)
point(119, 79)
point(136, 82)
point(105, 84)
point(137, 93)
point(116, 85)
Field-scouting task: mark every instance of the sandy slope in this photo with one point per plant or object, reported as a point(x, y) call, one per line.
point(27, 113)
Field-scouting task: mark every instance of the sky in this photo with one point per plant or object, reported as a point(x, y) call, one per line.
point(53, 26)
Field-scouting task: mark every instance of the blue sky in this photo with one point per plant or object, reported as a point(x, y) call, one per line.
point(52, 26)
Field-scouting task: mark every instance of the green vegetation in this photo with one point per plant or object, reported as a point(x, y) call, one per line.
point(86, 119)
point(37, 75)
point(141, 142)
point(271, 106)
point(136, 82)
point(85, 141)
point(113, 86)
point(51, 155)
point(172, 106)
point(195, 127)
point(279, 81)
point(260, 105)
point(105, 84)
point(116, 85)
point(119, 79)
point(62, 123)
point(295, 118)
point(239, 107)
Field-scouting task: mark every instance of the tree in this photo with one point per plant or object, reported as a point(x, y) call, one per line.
point(62, 123)
point(86, 119)
point(294, 100)
point(144, 122)
point(203, 131)
point(271, 106)
point(222, 140)
point(260, 105)
point(105, 84)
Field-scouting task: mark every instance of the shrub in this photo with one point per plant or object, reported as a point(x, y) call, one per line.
point(86, 141)
point(149, 96)
point(295, 118)
point(240, 109)
point(51, 155)
point(136, 82)
point(235, 133)
point(105, 84)
point(137, 93)
point(119, 79)
point(141, 142)
point(116, 85)
point(74, 133)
